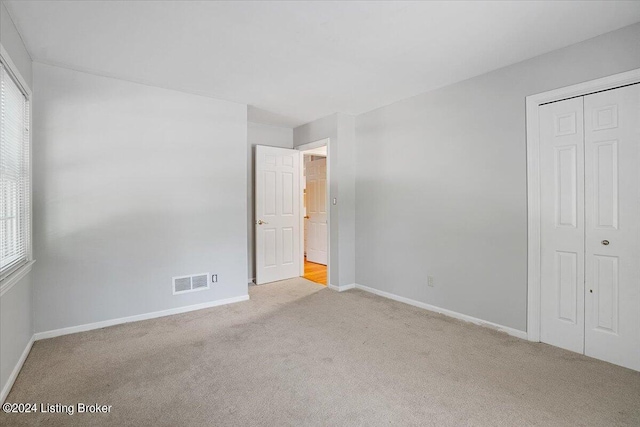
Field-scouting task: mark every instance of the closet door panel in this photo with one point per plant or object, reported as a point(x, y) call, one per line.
point(612, 234)
point(562, 224)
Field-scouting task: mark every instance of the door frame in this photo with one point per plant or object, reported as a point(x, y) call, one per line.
point(533, 102)
point(302, 148)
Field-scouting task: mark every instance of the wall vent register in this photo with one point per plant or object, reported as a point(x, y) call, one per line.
point(196, 282)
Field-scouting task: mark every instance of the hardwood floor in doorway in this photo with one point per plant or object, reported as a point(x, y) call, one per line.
point(315, 272)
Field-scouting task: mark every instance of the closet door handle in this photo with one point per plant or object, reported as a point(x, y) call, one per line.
point(605, 242)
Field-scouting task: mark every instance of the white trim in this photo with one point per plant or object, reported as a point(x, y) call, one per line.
point(301, 209)
point(342, 288)
point(16, 370)
point(533, 181)
point(510, 331)
point(317, 152)
point(8, 282)
point(146, 316)
point(314, 144)
point(302, 148)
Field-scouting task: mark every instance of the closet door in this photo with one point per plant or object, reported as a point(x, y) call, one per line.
point(562, 224)
point(612, 206)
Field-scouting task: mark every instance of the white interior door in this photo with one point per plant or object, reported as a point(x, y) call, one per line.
point(562, 224)
point(612, 199)
point(316, 176)
point(277, 214)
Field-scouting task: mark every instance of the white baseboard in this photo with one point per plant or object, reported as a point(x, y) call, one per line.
point(511, 331)
point(146, 316)
point(342, 288)
point(16, 370)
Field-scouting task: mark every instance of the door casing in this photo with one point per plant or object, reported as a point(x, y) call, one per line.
point(302, 148)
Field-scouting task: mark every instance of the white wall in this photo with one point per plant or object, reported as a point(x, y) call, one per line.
point(16, 311)
point(133, 185)
point(441, 183)
point(12, 42)
point(346, 174)
point(340, 129)
point(259, 134)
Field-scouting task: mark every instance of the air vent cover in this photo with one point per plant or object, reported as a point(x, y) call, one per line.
point(195, 282)
point(198, 282)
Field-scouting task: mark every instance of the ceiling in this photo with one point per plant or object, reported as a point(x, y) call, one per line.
point(294, 62)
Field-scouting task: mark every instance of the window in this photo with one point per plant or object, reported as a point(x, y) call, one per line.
point(15, 191)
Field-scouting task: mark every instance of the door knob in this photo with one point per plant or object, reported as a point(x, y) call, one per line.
point(605, 242)
point(260, 222)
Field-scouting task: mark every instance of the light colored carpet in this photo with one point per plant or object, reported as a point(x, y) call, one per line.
point(300, 354)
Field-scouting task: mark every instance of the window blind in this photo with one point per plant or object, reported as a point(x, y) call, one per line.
point(14, 175)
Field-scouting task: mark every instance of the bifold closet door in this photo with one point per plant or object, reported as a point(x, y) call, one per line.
point(612, 206)
point(562, 224)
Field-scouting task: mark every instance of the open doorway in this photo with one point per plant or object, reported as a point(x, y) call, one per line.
point(314, 184)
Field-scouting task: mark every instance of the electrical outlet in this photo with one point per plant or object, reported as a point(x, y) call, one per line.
point(430, 281)
point(214, 278)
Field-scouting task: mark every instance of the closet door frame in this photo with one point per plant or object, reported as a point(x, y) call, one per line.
point(533, 102)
